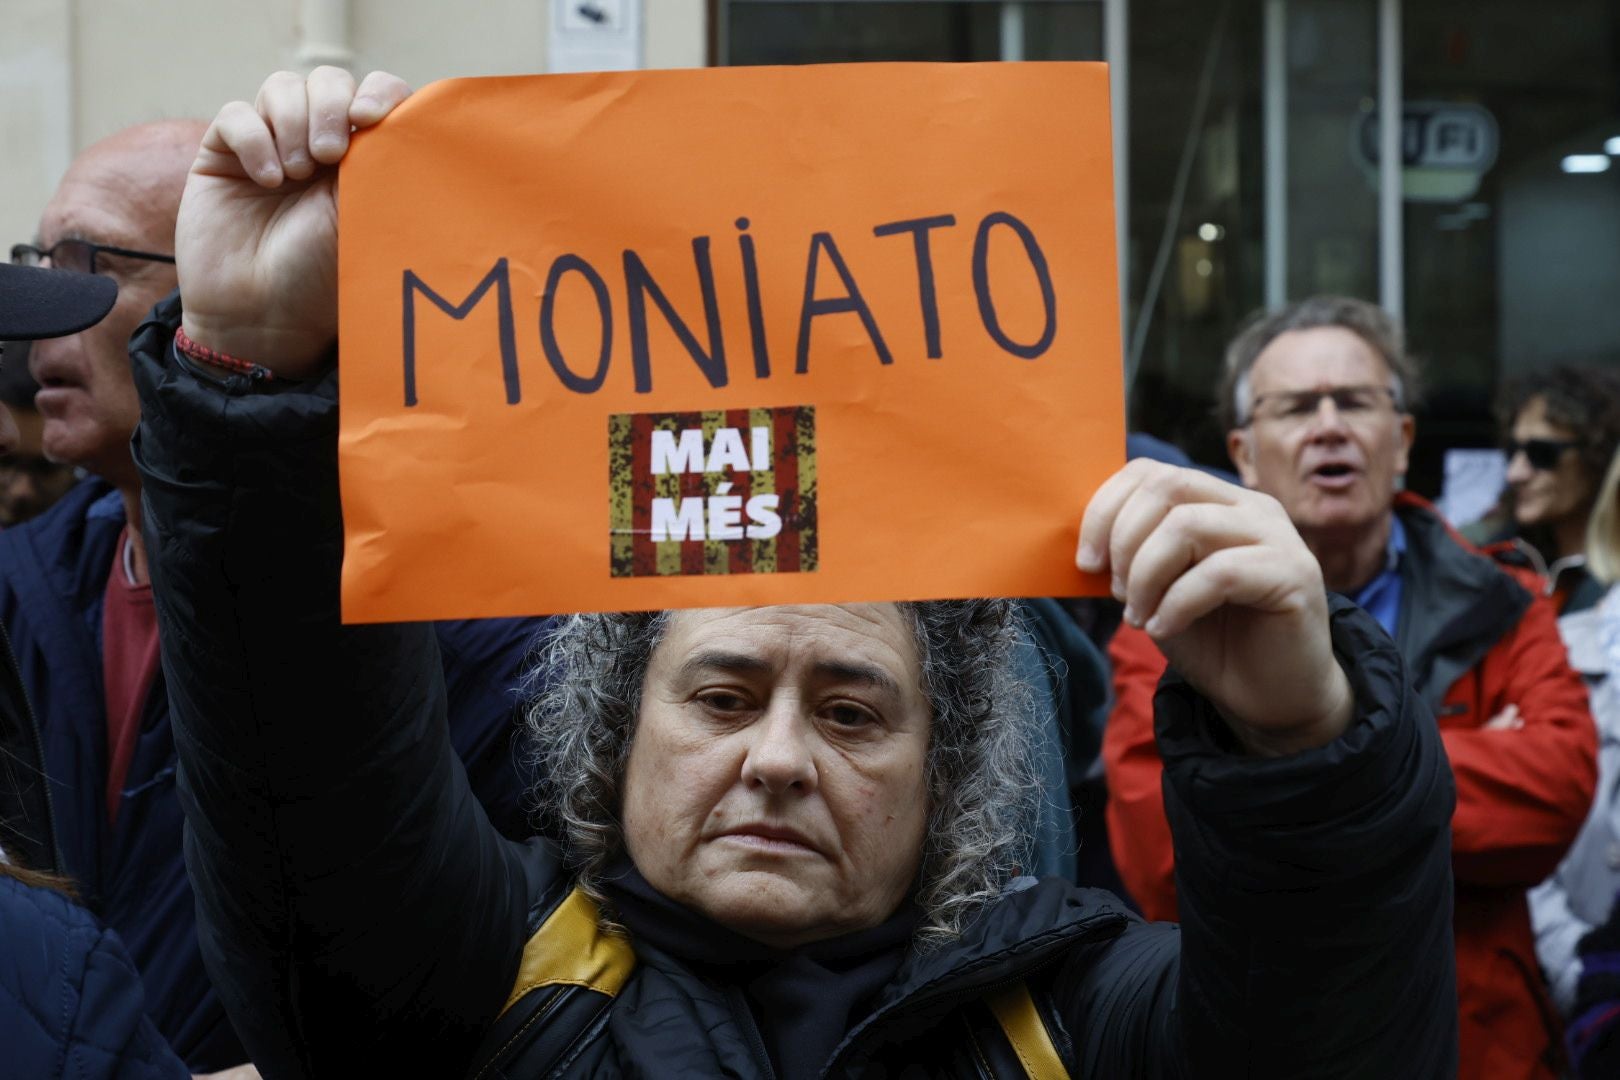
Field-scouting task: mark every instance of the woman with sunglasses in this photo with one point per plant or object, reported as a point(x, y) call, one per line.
point(1563, 426)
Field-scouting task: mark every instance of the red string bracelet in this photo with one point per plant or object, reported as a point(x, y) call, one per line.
point(190, 348)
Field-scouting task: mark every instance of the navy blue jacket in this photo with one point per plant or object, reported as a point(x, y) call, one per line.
point(53, 577)
point(70, 1000)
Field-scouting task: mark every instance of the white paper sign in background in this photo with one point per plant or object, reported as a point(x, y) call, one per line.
point(595, 35)
point(1473, 482)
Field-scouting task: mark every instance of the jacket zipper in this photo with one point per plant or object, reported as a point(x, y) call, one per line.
point(745, 1020)
point(15, 674)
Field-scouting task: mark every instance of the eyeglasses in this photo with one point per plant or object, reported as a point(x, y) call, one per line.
point(77, 255)
point(1354, 403)
point(1542, 454)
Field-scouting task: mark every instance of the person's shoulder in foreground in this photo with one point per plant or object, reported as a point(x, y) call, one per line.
point(76, 1006)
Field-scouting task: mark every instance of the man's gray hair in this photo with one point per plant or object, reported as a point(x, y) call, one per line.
point(982, 784)
point(1371, 323)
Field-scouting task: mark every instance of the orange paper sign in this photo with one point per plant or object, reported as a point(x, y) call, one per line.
point(735, 336)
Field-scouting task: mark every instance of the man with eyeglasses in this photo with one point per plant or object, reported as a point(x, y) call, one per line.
point(76, 601)
point(1317, 401)
point(88, 409)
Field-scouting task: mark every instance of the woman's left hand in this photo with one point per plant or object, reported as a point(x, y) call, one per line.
point(1219, 577)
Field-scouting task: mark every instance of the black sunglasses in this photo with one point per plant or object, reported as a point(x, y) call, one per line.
point(1542, 454)
point(77, 255)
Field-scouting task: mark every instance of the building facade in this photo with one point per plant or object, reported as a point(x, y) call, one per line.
point(1448, 158)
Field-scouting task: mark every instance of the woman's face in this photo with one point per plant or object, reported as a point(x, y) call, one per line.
point(1546, 496)
point(777, 780)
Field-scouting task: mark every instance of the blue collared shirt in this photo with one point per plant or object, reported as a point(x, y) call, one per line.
point(1381, 597)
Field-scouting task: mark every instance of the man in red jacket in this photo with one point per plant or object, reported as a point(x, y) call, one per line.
point(1316, 400)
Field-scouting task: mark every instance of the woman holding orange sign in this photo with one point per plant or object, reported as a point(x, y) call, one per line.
point(778, 841)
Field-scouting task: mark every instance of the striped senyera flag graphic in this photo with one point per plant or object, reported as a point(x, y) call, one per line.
point(723, 491)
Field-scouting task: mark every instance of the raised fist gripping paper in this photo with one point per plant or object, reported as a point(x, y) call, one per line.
point(733, 336)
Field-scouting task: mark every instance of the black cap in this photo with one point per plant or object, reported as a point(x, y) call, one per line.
point(39, 302)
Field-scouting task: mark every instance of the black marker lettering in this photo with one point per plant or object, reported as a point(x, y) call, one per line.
point(919, 228)
point(981, 285)
point(639, 284)
point(756, 315)
point(850, 301)
point(548, 331)
point(498, 277)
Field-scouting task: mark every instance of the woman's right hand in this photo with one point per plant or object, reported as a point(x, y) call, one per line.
point(256, 242)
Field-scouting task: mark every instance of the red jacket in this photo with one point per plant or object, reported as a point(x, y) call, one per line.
point(1476, 638)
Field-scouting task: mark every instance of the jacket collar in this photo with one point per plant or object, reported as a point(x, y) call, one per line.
point(1029, 925)
point(1021, 929)
point(1455, 604)
point(67, 550)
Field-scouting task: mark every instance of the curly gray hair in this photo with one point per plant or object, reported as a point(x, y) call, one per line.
point(982, 784)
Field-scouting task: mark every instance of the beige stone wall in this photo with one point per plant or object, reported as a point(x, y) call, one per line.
point(73, 71)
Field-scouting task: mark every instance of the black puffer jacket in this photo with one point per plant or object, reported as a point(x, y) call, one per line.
point(360, 917)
